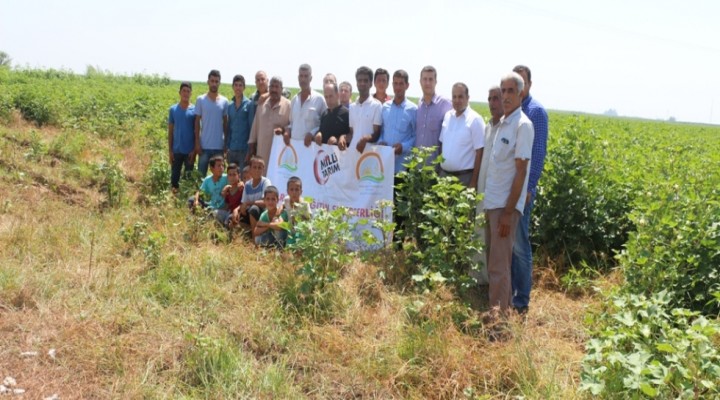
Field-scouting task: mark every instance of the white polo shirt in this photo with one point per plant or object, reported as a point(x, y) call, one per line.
point(363, 116)
point(513, 141)
point(306, 117)
point(461, 136)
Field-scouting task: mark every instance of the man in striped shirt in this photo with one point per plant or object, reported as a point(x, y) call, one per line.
point(522, 251)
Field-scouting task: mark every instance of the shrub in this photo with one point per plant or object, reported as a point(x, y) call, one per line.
point(156, 180)
point(112, 181)
point(35, 106)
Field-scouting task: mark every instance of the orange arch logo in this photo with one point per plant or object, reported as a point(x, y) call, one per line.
point(370, 168)
point(288, 159)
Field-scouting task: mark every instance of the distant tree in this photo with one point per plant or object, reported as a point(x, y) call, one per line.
point(5, 59)
point(671, 119)
point(611, 113)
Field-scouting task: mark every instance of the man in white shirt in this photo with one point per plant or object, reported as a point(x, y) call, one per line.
point(507, 178)
point(462, 139)
point(305, 108)
point(365, 114)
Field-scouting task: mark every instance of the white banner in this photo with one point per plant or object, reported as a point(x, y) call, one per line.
point(334, 178)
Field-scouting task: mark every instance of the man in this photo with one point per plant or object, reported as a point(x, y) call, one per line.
point(272, 118)
point(210, 108)
point(505, 192)
point(241, 114)
point(382, 80)
point(399, 117)
point(329, 77)
point(365, 113)
point(335, 120)
point(496, 112)
point(261, 86)
point(181, 136)
point(431, 112)
point(305, 108)
point(522, 252)
point(345, 94)
point(462, 139)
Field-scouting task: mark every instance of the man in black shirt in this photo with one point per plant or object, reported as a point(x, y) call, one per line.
point(334, 122)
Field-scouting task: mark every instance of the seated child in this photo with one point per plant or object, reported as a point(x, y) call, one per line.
point(268, 230)
point(246, 173)
point(253, 204)
point(211, 188)
point(295, 207)
point(233, 196)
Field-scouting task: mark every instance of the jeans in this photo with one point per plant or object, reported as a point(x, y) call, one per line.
point(204, 160)
point(522, 259)
point(180, 161)
point(237, 157)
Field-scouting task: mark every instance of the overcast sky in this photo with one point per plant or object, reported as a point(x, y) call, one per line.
point(650, 59)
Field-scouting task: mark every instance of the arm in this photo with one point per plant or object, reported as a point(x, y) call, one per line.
point(225, 129)
point(198, 149)
point(539, 119)
point(171, 127)
point(476, 168)
point(521, 166)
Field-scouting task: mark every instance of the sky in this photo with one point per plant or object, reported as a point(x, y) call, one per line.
point(649, 59)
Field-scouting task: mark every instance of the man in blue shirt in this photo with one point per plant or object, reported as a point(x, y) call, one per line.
point(181, 136)
point(210, 116)
point(241, 113)
point(399, 120)
point(522, 251)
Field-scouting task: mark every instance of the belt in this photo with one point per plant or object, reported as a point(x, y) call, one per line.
point(458, 173)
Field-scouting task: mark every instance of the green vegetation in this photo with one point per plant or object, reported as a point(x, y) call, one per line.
point(140, 300)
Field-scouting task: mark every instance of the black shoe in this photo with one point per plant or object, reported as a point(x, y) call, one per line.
point(522, 310)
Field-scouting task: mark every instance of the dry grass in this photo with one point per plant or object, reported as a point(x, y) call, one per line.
point(123, 328)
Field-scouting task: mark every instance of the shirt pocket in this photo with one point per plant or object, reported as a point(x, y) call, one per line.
point(402, 123)
point(503, 148)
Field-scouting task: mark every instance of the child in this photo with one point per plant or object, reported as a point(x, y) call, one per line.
point(246, 173)
point(253, 204)
point(295, 207)
point(268, 230)
point(233, 196)
point(212, 187)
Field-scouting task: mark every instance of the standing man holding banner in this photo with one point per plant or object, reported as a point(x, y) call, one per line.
point(399, 116)
point(305, 108)
point(365, 114)
point(272, 118)
point(210, 118)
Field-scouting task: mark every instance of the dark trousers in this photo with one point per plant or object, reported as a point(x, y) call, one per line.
point(180, 161)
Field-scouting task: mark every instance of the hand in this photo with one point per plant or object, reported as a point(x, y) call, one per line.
point(286, 138)
point(332, 140)
point(198, 150)
point(172, 157)
point(398, 148)
point(528, 196)
point(308, 139)
point(361, 144)
point(278, 131)
point(235, 216)
point(318, 139)
point(225, 190)
point(504, 223)
point(342, 143)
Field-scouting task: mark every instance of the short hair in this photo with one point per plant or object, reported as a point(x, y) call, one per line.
point(382, 71)
point(462, 85)
point(514, 76)
point(493, 88)
point(276, 79)
point(429, 68)
point(214, 160)
point(294, 179)
point(239, 78)
point(364, 71)
point(523, 68)
point(214, 72)
point(401, 73)
point(257, 159)
point(333, 84)
point(246, 168)
point(305, 67)
point(233, 166)
point(330, 74)
point(345, 83)
point(186, 84)
point(271, 189)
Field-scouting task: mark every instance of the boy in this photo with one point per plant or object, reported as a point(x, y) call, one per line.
point(181, 136)
point(212, 187)
point(232, 193)
point(253, 204)
point(295, 208)
point(268, 231)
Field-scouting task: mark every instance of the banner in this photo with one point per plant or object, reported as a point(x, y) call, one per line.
point(334, 178)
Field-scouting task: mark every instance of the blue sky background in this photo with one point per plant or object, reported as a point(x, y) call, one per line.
point(650, 59)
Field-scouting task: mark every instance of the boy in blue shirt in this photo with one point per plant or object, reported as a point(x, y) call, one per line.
point(211, 188)
point(181, 136)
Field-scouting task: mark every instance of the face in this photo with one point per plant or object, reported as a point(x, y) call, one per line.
point(233, 176)
point(304, 79)
point(185, 94)
point(213, 84)
point(238, 89)
point(246, 175)
point(511, 98)
point(271, 200)
point(345, 94)
point(294, 191)
point(331, 98)
point(256, 170)
point(459, 98)
point(381, 83)
point(363, 84)
point(275, 91)
point(526, 88)
point(218, 168)
point(495, 103)
point(329, 78)
point(400, 86)
point(428, 82)
point(261, 82)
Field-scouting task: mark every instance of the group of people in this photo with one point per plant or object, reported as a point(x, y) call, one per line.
point(502, 158)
